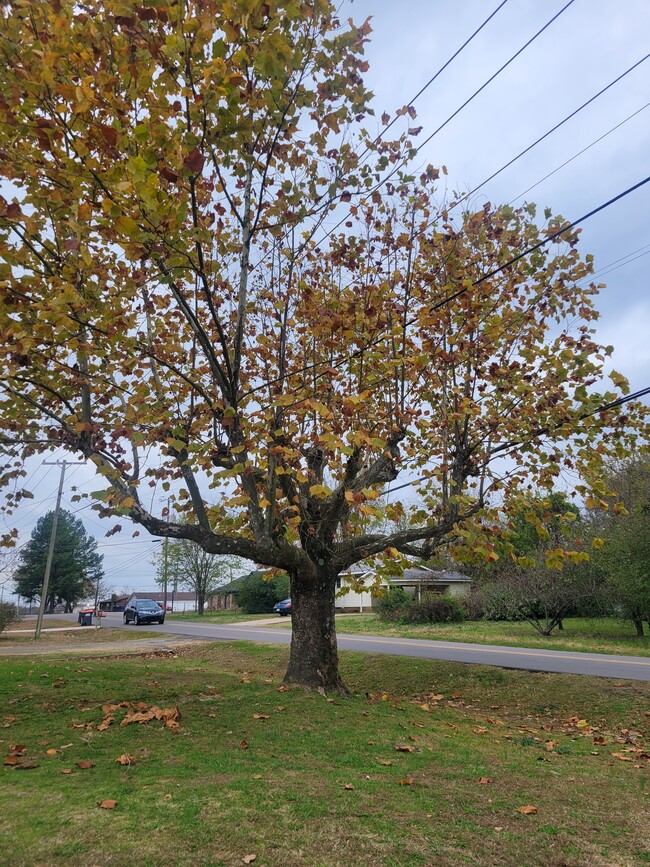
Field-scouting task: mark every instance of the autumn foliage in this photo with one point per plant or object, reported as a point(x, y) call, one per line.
point(176, 308)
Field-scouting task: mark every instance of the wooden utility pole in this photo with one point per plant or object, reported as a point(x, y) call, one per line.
point(50, 550)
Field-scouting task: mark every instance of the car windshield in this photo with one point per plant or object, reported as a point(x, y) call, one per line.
point(147, 604)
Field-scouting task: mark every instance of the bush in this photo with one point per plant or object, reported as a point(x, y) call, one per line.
point(257, 596)
point(8, 614)
point(390, 605)
point(434, 608)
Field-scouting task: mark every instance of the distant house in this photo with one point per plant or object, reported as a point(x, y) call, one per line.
point(355, 587)
point(178, 600)
point(224, 598)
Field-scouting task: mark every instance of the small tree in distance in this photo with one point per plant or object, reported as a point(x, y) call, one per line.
point(184, 564)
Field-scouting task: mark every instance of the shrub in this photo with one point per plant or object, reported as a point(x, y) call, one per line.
point(257, 596)
point(390, 605)
point(434, 608)
point(8, 614)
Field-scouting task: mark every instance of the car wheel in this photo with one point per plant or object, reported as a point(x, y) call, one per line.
point(137, 620)
point(161, 621)
point(124, 619)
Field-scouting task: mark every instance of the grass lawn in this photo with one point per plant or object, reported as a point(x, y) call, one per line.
point(89, 635)
point(597, 635)
point(219, 617)
point(426, 764)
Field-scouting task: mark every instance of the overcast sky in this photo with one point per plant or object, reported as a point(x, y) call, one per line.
point(587, 47)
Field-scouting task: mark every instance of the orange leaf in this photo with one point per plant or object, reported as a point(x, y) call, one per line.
point(527, 810)
point(404, 748)
point(384, 762)
point(261, 716)
point(407, 781)
point(84, 765)
point(108, 804)
point(125, 759)
point(13, 760)
point(483, 781)
point(53, 752)
point(67, 771)
point(243, 745)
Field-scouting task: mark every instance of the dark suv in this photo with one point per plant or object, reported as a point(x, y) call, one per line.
point(143, 611)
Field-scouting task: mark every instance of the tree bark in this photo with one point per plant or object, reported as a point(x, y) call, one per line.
point(313, 661)
point(639, 626)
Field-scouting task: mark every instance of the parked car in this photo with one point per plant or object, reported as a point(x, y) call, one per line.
point(283, 608)
point(143, 611)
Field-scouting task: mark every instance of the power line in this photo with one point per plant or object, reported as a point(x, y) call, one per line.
point(543, 431)
point(556, 127)
point(580, 152)
point(448, 299)
point(435, 76)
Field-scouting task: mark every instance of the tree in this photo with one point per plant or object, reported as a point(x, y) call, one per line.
point(167, 291)
point(625, 555)
point(543, 572)
point(76, 564)
point(183, 563)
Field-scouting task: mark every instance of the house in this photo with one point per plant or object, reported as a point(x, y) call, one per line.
point(224, 598)
point(177, 600)
point(355, 587)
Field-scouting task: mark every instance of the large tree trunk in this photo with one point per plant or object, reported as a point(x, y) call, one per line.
point(314, 661)
point(639, 626)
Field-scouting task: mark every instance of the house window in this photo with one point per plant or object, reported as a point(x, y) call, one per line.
point(338, 583)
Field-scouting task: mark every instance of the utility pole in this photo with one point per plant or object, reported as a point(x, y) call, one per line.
point(165, 563)
point(50, 550)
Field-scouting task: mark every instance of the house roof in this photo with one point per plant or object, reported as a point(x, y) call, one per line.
point(231, 587)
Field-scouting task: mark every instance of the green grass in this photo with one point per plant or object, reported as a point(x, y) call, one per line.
point(597, 635)
point(218, 617)
point(197, 797)
point(89, 635)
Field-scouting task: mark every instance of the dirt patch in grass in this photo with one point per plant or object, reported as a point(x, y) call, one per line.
point(304, 780)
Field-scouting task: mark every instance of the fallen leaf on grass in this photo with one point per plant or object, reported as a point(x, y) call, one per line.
point(67, 771)
point(483, 781)
point(404, 748)
point(549, 746)
point(282, 689)
point(84, 765)
point(599, 740)
point(52, 752)
point(108, 804)
point(105, 723)
point(261, 716)
point(17, 749)
point(245, 678)
point(406, 781)
point(527, 810)
point(257, 776)
point(348, 786)
point(248, 859)
point(622, 757)
point(13, 760)
point(243, 745)
point(26, 766)
point(480, 730)
point(125, 759)
point(384, 762)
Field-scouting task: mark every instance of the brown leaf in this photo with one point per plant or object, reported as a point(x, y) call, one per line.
point(108, 804)
point(13, 760)
point(26, 766)
point(243, 745)
point(348, 786)
point(105, 723)
point(194, 161)
point(480, 730)
point(406, 781)
point(599, 740)
point(549, 746)
point(527, 810)
point(85, 764)
point(622, 757)
point(248, 859)
point(17, 749)
point(67, 771)
point(404, 748)
point(282, 689)
point(384, 762)
point(52, 752)
point(125, 759)
point(261, 716)
point(483, 781)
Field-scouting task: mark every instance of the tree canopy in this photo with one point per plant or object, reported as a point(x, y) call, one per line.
point(177, 309)
point(76, 563)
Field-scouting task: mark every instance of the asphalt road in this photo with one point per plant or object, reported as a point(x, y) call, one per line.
point(529, 659)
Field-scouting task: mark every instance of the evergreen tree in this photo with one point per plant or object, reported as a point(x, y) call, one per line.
point(76, 564)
